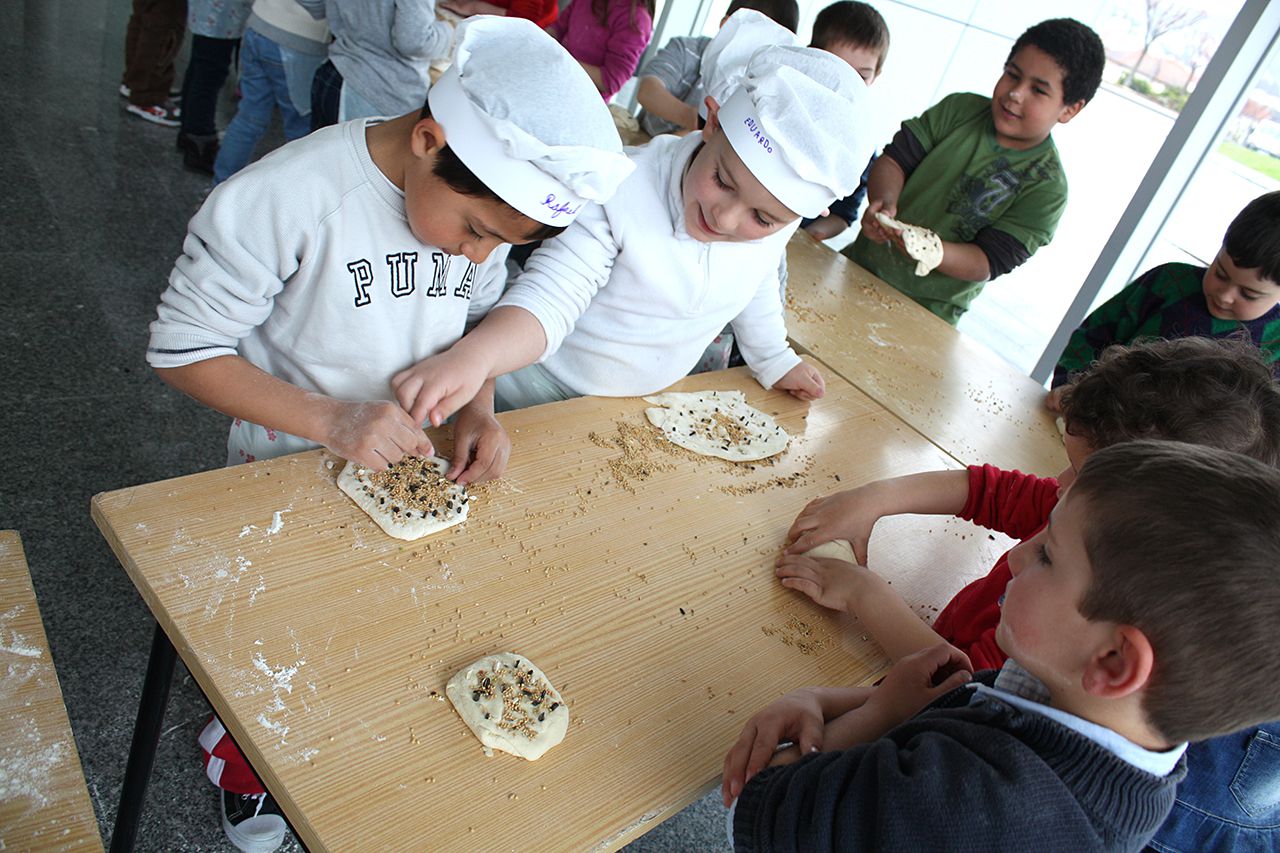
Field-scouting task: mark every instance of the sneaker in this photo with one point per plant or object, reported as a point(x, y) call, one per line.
point(198, 152)
point(167, 114)
point(252, 822)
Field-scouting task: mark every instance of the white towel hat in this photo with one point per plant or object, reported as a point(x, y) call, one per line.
point(724, 62)
point(521, 114)
point(799, 122)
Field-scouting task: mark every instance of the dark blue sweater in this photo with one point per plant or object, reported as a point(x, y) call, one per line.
point(982, 777)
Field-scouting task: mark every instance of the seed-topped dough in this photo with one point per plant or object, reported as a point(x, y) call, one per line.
point(410, 499)
point(509, 704)
point(923, 245)
point(717, 423)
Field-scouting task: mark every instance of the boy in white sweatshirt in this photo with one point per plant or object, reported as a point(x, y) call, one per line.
point(309, 278)
point(626, 300)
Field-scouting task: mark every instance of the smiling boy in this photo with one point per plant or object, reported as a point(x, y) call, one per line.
point(1239, 291)
point(626, 300)
point(983, 173)
point(1113, 621)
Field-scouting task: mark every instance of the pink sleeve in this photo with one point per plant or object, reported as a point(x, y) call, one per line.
point(629, 34)
point(1011, 502)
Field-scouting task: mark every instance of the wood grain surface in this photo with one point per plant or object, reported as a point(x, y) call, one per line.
point(968, 401)
point(640, 580)
point(44, 803)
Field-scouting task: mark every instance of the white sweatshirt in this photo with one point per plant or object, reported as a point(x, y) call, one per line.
point(629, 301)
point(304, 264)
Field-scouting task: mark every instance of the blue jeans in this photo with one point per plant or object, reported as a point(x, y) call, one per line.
point(267, 80)
point(1230, 800)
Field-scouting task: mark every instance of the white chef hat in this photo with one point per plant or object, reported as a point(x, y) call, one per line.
point(724, 62)
point(521, 114)
point(799, 122)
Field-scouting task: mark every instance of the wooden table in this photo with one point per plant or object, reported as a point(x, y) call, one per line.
point(649, 601)
point(968, 401)
point(44, 804)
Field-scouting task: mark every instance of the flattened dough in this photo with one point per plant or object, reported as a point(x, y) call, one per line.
point(410, 499)
point(836, 549)
point(509, 704)
point(717, 423)
point(922, 244)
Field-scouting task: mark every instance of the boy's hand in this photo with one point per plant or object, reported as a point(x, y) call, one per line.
point(845, 515)
point(871, 227)
point(481, 447)
point(1053, 400)
point(374, 434)
point(438, 386)
point(796, 717)
point(918, 679)
point(803, 382)
point(830, 583)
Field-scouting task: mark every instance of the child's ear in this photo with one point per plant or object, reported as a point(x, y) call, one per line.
point(1070, 111)
point(713, 119)
point(427, 137)
point(1121, 666)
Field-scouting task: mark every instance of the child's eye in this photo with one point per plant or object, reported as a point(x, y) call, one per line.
point(1041, 91)
point(721, 184)
point(1249, 297)
point(1042, 555)
point(473, 232)
point(762, 222)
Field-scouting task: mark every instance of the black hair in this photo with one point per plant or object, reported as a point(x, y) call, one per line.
point(1253, 237)
point(450, 169)
point(785, 13)
point(852, 23)
point(1075, 48)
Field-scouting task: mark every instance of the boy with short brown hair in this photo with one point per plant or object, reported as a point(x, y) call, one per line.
point(983, 173)
point(1114, 623)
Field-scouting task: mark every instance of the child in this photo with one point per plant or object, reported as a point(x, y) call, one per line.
point(858, 34)
point(982, 172)
point(670, 90)
point(281, 49)
point(317, 272)
point(216, 27)
point(541, 12)
point(1213, 392)
point(1142, 617)
point(379, 60)
point(151, 44)
point(1239, 291)
point(606, 37)
point(625, 301)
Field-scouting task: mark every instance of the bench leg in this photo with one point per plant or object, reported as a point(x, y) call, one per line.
point(146, 737)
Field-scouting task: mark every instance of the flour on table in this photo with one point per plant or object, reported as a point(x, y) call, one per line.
point(410, 499)
point(717, 423)
point(924, 246)
point(509, 704)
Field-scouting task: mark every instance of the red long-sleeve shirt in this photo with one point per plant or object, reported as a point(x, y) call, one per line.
point(1016, 505)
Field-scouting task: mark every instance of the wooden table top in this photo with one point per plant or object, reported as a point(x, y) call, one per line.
point(970, 402)
point(44, 803)
point(640, 581)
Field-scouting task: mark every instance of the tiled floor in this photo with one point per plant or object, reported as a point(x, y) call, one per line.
point(94, 208)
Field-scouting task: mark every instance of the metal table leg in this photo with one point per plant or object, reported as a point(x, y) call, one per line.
point(146, 736)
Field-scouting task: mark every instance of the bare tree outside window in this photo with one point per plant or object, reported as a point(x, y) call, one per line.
point(1162, 18)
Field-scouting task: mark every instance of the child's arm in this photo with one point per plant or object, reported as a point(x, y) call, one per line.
point(373, 433)
point(507, 339)
point(630, 29)
point(416, 32)
point(798, 717)
point(481, 447)
point(761, 332)
point(1115, 321)
point(852, 514)
point(884, 186)
point(655, 98)
point(855, 589)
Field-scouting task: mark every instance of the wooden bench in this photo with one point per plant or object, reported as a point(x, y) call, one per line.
point(44, 804)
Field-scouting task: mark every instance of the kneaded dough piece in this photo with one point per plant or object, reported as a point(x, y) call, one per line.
point(922, 244)
point(717, 423)
point(509, 704)
point(410, 499)
point(836, 549)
